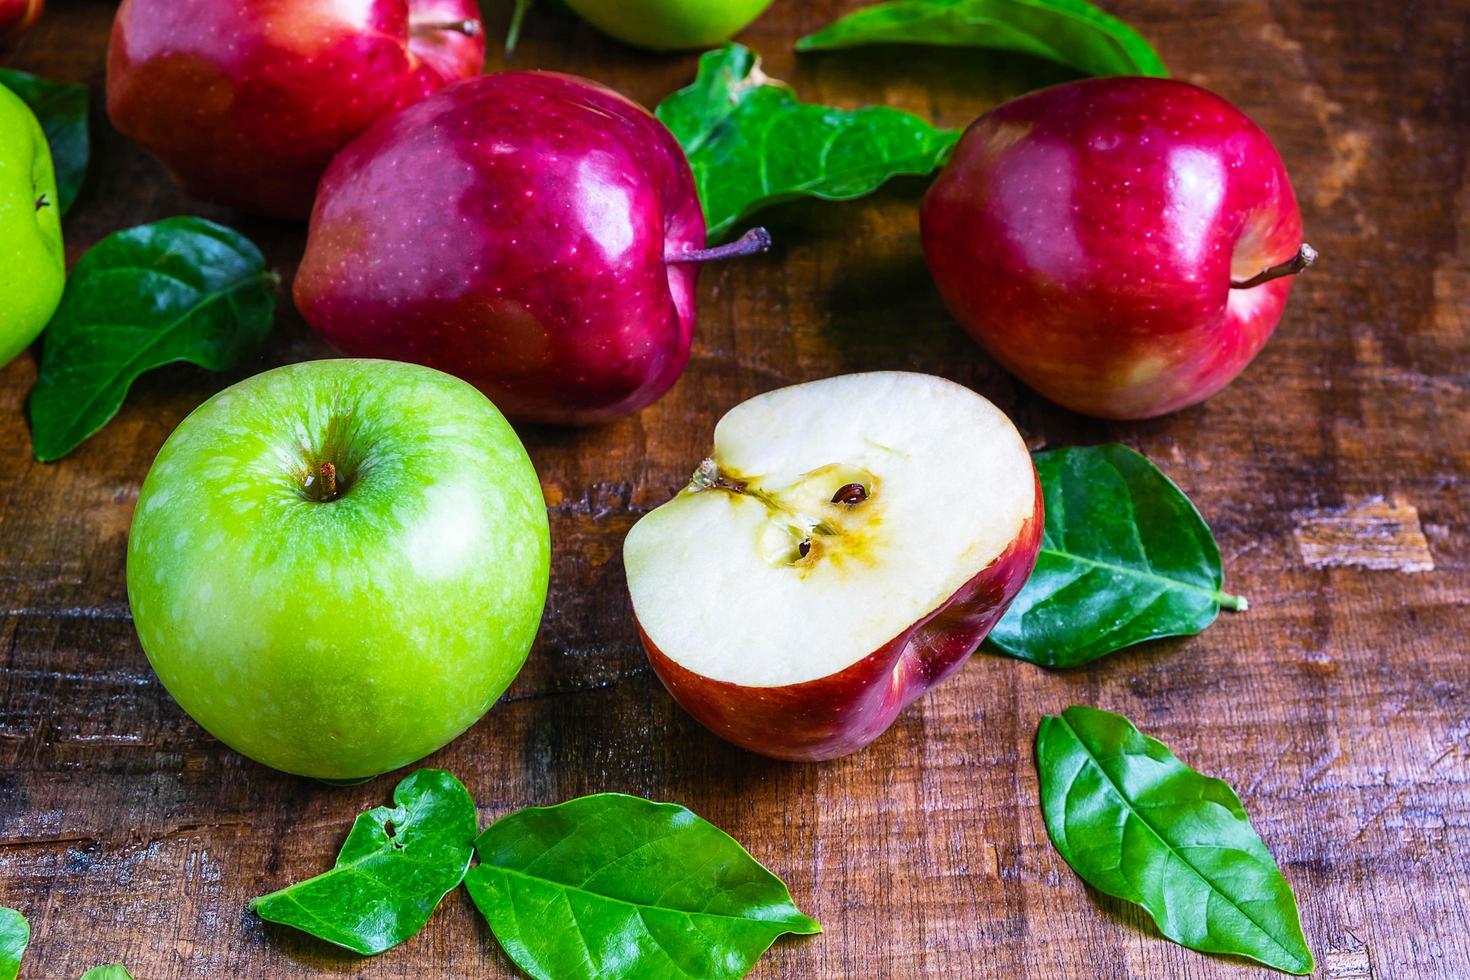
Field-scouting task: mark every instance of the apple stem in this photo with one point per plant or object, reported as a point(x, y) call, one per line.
point(1304, 257)
point(321, 486)
point(753, 242)
point(469, 28)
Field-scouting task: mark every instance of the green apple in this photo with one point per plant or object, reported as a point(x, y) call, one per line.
point(670, 25)
point(337, 567)
point(32, 262)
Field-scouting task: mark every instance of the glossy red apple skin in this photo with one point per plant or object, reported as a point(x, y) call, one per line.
point(17, 17)
point(1087, 236)
point(839, 714)
point(513, 230)
point(247, 101)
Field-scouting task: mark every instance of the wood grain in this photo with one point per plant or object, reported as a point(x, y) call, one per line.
point(1372, 533)
point(1339, 706)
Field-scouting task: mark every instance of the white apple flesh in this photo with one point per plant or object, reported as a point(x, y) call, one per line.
point(848, 544)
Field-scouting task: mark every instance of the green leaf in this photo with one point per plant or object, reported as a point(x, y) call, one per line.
point(751, 144)
point(397, 863)
point(62, 111)
point(1135, 822)
point(184, 289)
point(1072, 32)
point(1125, 558)
point(613, 886)
point(15, 936)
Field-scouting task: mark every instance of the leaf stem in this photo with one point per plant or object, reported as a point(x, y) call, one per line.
point(1235, 603)
point(513, 33)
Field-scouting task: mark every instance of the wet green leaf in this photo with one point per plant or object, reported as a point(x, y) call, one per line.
point(1125, 558)
point(396, 866)
point(1071, 32)
point(613, 886)
point(183, 289)
point(15, 936)
point(752, 144)
point(1135, 822)
point(114, 972)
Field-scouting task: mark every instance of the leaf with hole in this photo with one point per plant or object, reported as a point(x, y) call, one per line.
point(1125, 557)
point(115, 971)
point(396, 866)
point(62, 111)
point(612, 886)
point(15, 936)
point(183, 289)
point(1070, 32)
point(1135, 822)
point(751, 144)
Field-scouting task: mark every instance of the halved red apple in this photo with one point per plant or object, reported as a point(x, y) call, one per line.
point(846, 547)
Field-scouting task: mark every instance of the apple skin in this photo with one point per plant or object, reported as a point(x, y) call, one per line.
point(17, 17)
point(32, 260)
point(670, 25)
point(344, 638)
point(1087, 236)
point(247, 101)
point(513, 230)
point(836, 715)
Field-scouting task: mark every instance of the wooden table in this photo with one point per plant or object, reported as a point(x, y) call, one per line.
point(1336, 473)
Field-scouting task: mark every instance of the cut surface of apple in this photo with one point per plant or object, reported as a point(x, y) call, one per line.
point(846, 545)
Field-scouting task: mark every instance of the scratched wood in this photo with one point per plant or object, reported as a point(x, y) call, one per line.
point(1339, 705)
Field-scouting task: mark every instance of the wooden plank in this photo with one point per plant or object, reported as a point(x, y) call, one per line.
point(1339, 705)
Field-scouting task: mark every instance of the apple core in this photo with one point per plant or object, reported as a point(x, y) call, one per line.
point(846, 546)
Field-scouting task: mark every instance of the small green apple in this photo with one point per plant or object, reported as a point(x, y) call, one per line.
point(337, 567)
point(670, 25)
point(32, 261)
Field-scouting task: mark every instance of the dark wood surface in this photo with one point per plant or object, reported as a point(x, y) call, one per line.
point(1336, 473)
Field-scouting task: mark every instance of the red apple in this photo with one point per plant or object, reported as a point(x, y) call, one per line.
point(846, 547)
point(1122, 245)
point(247, 101)
point(17, 16)
point(536, 234)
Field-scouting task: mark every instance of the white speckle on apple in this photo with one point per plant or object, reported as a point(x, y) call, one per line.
point(437, 540)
